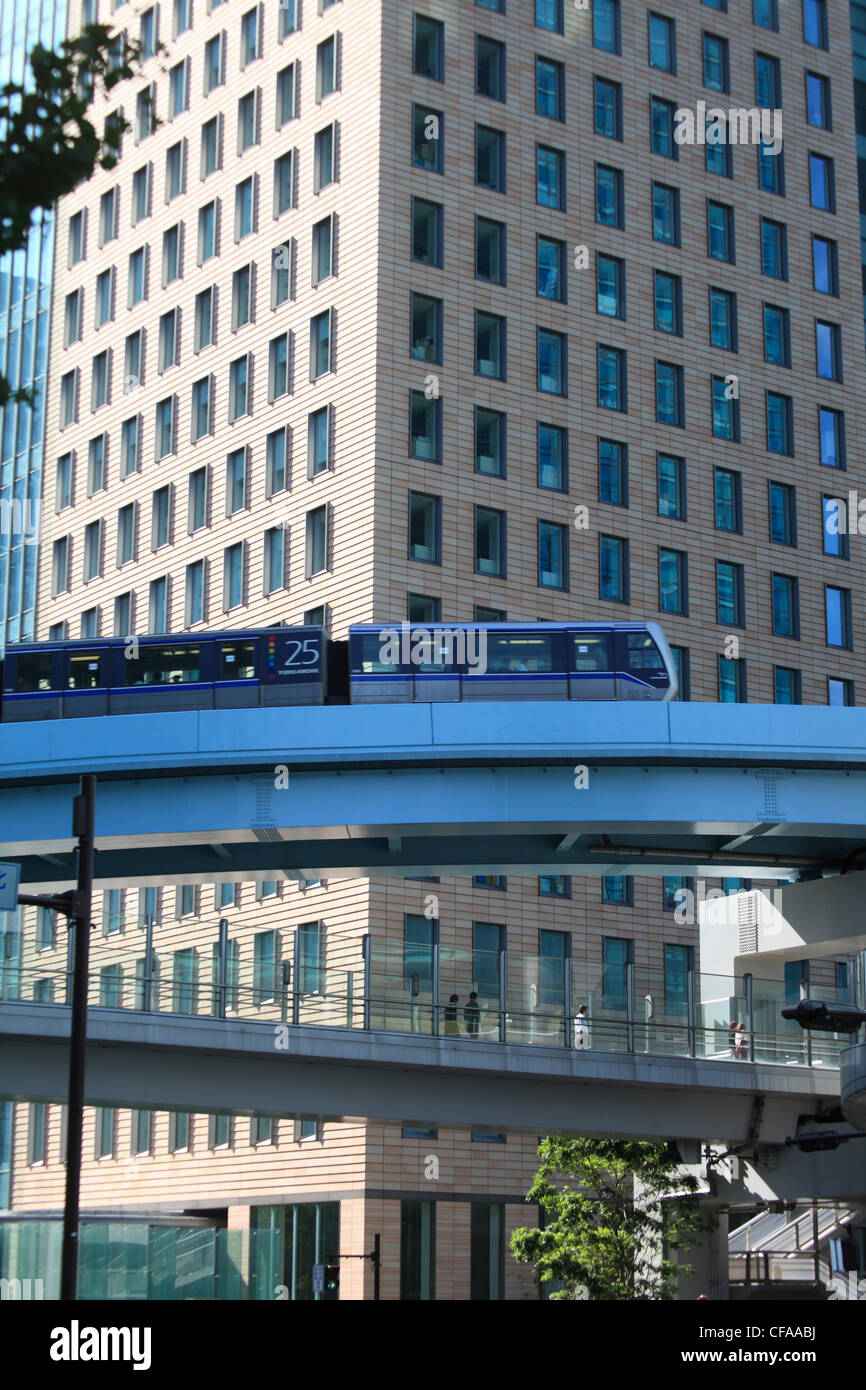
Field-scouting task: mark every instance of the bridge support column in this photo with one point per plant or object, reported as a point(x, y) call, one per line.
point(708, 1261)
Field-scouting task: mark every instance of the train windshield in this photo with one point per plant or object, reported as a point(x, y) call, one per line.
point(85, 671)
point(509, 653)
point(590, 651)
point(169, 664)
point(643, 656)
point(33, 671)
point(237, 661)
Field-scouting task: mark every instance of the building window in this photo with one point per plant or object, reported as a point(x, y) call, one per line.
point(194, 604)
point(553, 457)
point(718, 154)
point(130, 446)
point(662, 124)
point(715, 62)
point(318, 441)
point(670, 394)
point(158, 605)
point(489, 542)
point(427, 231)
point(428, 139)
point(549, 89)
point(727, 488)
point(774, 249)
point(828, 350)
point(489, 345)
point(786, 686)
point(825, 265)
point(668, 303)
point(818, 109)
point(613, 569)
point(609, 196)
point(554, 886)
point(490, 68)
point(549, 177)
point(607, 108)
point(731, 681)
point(236, 481)
point(768, 81)
point(730, 594)
point(783, 514)
point(244, 208)
point(671, 478)
point(726, 414)
point(239, 395)
point(786, 606)
point(552, 363)
point(553, 567)
point(164, 434)
point(326, 68)
point(487, 1251)
point(233, 576)
point(425, 427)
point(780, 423)
point(417, 1251)
point(490, 158)
point(425, 528)
point(211, 146)
point(822, 182)
point(619, 889)
point(777, 336)
point(613, 472)
point(125, 535)
point(250, 37)
point(771, 169)
point(612, 378)
point(815, 30)
point(197, 503)
point(617, 956)
point(278, 367)
point(169, 340)
point(317, 538)
point(548, 15)
point(831, 432)
point(840, 692)
point(489, 440)
point(666, 214)
point(837, 609)
point(610, 286)
point(428, 48)
point(104, 1136)
point(550, 269)
point(720, 232)
point(673, 587)
point(205, 319)
point(662, 43)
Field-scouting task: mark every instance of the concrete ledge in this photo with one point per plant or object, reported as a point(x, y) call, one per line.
point(180, 1063)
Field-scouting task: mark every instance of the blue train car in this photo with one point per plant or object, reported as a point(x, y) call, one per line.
point(510, 661)
point(211, 670)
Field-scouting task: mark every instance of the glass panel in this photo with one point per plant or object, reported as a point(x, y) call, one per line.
point(237, 661)
point(516, 652)
point(85, 671)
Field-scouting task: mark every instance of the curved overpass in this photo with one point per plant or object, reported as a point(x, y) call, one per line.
point(414, 790)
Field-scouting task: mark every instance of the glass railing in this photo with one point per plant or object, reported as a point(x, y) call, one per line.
point(451, 992)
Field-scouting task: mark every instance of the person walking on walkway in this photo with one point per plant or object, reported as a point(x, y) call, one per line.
point(581, 1027)
point(472, 1015)
point(451, 1025)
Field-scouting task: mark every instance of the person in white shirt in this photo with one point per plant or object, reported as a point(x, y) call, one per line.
point(581, 1027)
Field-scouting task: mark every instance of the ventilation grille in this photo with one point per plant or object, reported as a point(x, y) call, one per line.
point(747, 923)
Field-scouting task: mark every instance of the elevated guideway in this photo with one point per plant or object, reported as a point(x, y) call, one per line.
point(413, 790)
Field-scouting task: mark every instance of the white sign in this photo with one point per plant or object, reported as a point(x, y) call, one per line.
point(10, 875)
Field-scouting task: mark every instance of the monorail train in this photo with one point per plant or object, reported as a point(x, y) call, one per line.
point(379, 664)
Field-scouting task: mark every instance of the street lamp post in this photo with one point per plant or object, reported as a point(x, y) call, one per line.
point(76, 907)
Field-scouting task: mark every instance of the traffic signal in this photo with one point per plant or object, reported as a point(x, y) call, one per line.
point(332, 1278)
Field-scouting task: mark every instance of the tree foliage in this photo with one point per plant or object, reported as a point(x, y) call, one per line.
point(48, 142)
point(596, 1238)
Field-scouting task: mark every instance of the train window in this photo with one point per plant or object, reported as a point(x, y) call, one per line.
point(590, 651)
point(85, 671)
point(376, 649)
point(33, 671)
point(237, 661)
point(513, 652)
point(163, 665)
point(439, 653)
point(642, 654)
